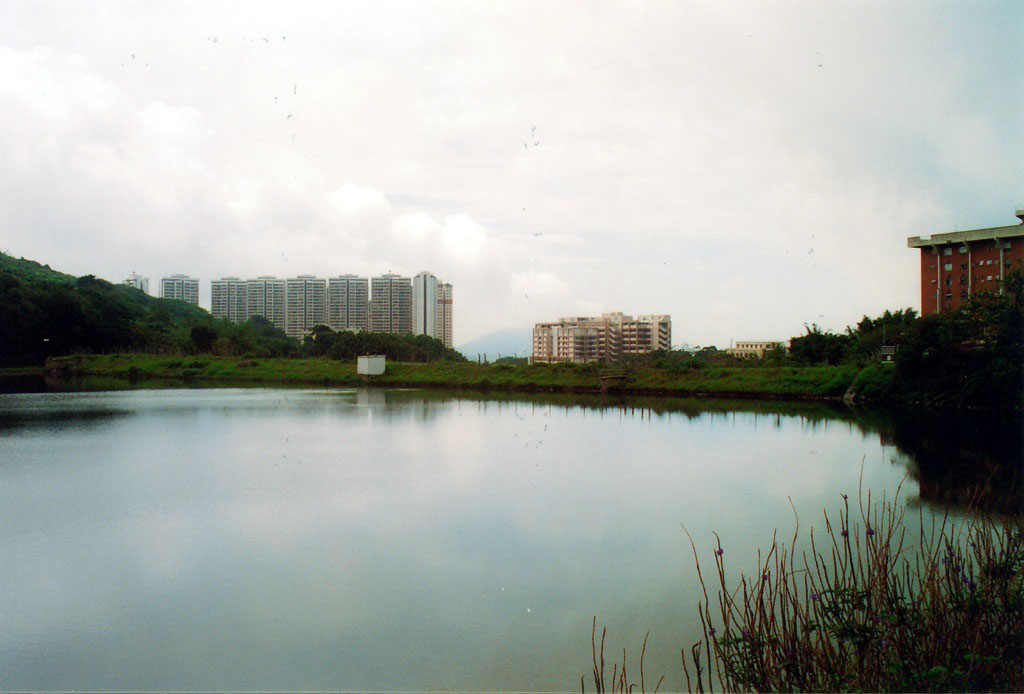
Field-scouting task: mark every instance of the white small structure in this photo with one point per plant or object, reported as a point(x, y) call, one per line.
point(370, 365)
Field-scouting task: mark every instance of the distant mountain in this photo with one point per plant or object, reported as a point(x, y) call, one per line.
point(511, 342)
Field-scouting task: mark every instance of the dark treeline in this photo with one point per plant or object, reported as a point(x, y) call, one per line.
point(44, 313)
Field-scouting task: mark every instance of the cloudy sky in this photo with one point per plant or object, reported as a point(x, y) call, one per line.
point(745, 167)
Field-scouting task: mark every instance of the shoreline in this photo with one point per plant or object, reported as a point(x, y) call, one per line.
point(827, 383)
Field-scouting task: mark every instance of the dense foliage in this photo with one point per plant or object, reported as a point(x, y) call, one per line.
point(324, 342)
point(46, 313)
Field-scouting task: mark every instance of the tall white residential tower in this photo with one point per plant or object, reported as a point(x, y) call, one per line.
point(266, 297)
point(229, 299)
point(391, 304)
point(348, 303)
point(305, 304)
point(181, 287)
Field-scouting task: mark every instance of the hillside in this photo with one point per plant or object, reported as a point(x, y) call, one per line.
point(45, 313)
point(511, 342)
point(48, 313)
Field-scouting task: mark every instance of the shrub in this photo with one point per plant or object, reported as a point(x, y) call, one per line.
point(870, 607)
point(875, 382)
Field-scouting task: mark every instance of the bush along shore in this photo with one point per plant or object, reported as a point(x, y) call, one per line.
point(873, 603)
point(821, 382)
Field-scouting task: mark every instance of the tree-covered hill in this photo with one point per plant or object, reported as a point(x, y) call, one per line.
point(48, 313)
point(45, 313)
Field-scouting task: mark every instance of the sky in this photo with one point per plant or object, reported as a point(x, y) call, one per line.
point(747, 168)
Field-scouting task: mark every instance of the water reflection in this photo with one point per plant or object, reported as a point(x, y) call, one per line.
point(372, 539)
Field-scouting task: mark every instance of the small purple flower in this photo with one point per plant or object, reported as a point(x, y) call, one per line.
point(720, 551)
point(789, 654)
point(814, 596)
point(885, 643)
point(767, 575)
point(844, 533)
point(870, 531)
point(844, 497)
point(711, 630)
point(746, 633)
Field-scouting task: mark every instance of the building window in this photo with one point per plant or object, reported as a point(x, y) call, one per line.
point(963, 264)
point(963, 295)
point(989, 278)
point(963, 249)
point(963, 279)
point(988, 262)
point(948, 297)
point(947, 266)
point(1006, 246)
point(949, 281)
point(948, 250)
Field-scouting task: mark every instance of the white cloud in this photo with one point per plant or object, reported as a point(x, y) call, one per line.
point(744, 169)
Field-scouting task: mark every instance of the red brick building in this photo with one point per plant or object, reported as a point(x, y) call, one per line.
point(960, 264)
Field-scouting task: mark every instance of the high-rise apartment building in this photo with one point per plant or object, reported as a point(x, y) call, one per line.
point(391, 304)
point(960, 264)
point(266, 297)
point(181, 287)
point(607, 338)
point(444, 313)
point(229, 299)
point(348, 303)
point(424, 304)
point(305, 304)
point(138, 281)
point(432, 307)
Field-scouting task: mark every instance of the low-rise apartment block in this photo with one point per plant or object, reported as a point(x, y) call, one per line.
point(960, 264)
point(606, 338)
point(755, 348)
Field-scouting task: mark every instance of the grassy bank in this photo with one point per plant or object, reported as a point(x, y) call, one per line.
point(823, 382)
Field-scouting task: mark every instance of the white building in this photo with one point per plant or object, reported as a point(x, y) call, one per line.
point(753, 348)
point(138, 281)
point(606, 338)
point(348, 303)
point(266, 297)
point(305, 304)
point(432, 307)
point(229, 299)
point(391, 304)
point(180, 287)
point(444, 313)
point(424, 304)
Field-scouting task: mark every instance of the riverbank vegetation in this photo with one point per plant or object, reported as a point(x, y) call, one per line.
point(869, 603)
point(811, 382)
point(972, 357)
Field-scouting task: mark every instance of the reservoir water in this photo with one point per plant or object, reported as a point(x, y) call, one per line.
point(241, 539)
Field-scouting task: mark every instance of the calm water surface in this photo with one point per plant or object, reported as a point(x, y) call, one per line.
point(383, 540)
